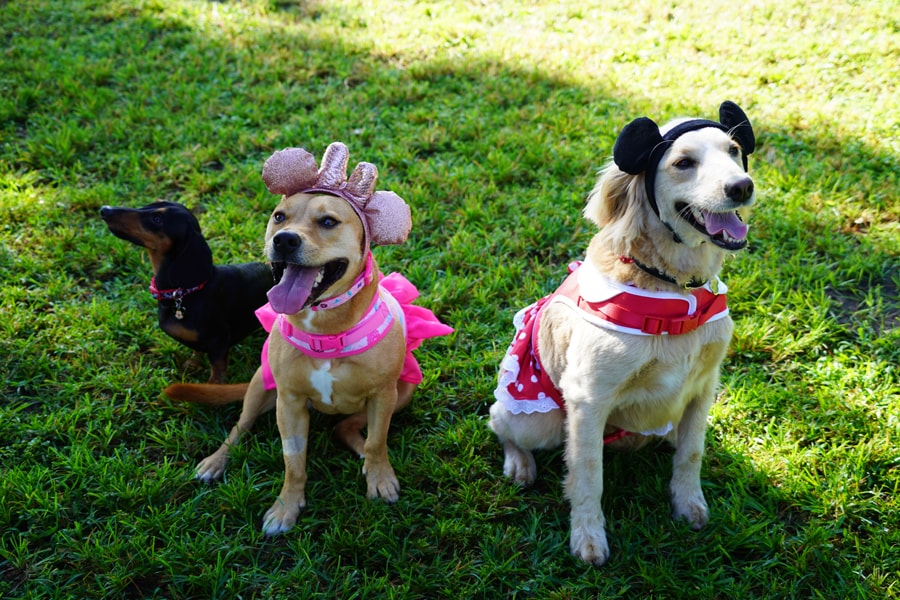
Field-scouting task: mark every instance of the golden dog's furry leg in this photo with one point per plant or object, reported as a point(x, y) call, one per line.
point(293, 426)
point(349, 430)
point(584, 480)
point(687, 496)
point(522, 433)
point(381, 481)
point(257, 400)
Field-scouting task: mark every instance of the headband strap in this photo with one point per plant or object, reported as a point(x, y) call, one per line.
point(384, 215)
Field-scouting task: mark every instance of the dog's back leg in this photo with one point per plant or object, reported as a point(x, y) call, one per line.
point(349, 430)
point(522, 433)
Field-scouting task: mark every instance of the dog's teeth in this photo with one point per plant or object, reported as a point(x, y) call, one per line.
point(698, 216)
point(319, 277)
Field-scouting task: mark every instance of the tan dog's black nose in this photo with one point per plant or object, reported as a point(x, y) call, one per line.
point(284, 243)
point(739, 189)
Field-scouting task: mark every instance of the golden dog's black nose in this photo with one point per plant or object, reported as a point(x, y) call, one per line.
point(739, 189)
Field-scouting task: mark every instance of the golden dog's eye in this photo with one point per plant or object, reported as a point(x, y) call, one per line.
point(278, 217)
point(734, 151)
point(329, 222)
point(684, 164)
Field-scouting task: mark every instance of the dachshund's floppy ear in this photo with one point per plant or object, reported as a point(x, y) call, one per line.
point(195, 259)
point(634, 145)
point(732, 117)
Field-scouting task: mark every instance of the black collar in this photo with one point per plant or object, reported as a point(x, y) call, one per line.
point(689, 285)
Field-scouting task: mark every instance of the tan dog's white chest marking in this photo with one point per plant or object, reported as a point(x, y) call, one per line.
point(323, 381)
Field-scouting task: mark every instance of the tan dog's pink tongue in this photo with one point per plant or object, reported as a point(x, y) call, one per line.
point(289, 296)
point(716, 223)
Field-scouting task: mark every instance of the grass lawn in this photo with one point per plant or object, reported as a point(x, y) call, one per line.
point(491, 119)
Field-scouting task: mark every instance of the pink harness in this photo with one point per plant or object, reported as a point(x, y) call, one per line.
point(393, 302)
point(525, 387)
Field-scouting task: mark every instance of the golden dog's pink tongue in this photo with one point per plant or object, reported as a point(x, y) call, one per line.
point(289, 296)
point(716, 223)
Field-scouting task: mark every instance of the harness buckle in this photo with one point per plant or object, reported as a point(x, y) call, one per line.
point(670, 325)
point(326, 343)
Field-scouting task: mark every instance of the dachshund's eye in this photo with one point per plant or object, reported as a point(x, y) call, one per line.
point(684, 164)
point(329, 222)
point(156, 219)
point(278, 217)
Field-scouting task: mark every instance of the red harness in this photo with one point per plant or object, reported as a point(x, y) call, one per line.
point(525, 387)
point(649, 314)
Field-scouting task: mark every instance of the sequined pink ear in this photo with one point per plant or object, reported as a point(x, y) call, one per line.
point(333, 173)
point(361, 183)
point(389, 218)
point(290, 170)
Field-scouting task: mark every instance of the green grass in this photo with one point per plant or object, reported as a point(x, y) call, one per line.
point(491, 119)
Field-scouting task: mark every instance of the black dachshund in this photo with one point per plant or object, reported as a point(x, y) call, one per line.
point(205, 307)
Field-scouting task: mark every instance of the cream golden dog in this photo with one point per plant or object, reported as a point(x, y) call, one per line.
point(631, 343)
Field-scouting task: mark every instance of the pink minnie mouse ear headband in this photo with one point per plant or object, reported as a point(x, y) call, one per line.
point(384, 215)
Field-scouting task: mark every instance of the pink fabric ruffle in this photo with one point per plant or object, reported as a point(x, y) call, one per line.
point(420, 324)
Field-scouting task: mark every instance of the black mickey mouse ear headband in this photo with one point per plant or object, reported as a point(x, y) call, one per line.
point(640, 146)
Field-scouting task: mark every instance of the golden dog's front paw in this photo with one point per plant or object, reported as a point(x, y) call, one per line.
point(281, 517)
point(382, 483)
point(690, 507)
point(588, 542)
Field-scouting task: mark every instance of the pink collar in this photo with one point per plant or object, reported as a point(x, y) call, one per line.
point(364, 279)
point(370, 330)
point(173, 294)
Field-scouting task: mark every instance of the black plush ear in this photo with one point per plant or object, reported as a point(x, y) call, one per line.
point(732, 117)
point(637, 140)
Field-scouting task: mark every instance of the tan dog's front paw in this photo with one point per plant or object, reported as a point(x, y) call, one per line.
point(588, 541)
point(212, 467)
point(281, 517)
point(382, 483)
point(690, 507)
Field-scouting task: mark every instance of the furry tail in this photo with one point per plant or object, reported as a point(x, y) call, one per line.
point(210, 394)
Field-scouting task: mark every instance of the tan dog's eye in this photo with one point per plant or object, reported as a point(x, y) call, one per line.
point(278, 217)
point(734, 151)
point(684, 164)
point(329, 222)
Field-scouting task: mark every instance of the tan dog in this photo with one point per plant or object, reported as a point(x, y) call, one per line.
point(320, 239)
point(631, 343)
point(340, 337)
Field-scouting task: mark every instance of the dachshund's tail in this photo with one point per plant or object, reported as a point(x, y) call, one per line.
point(211, 394)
